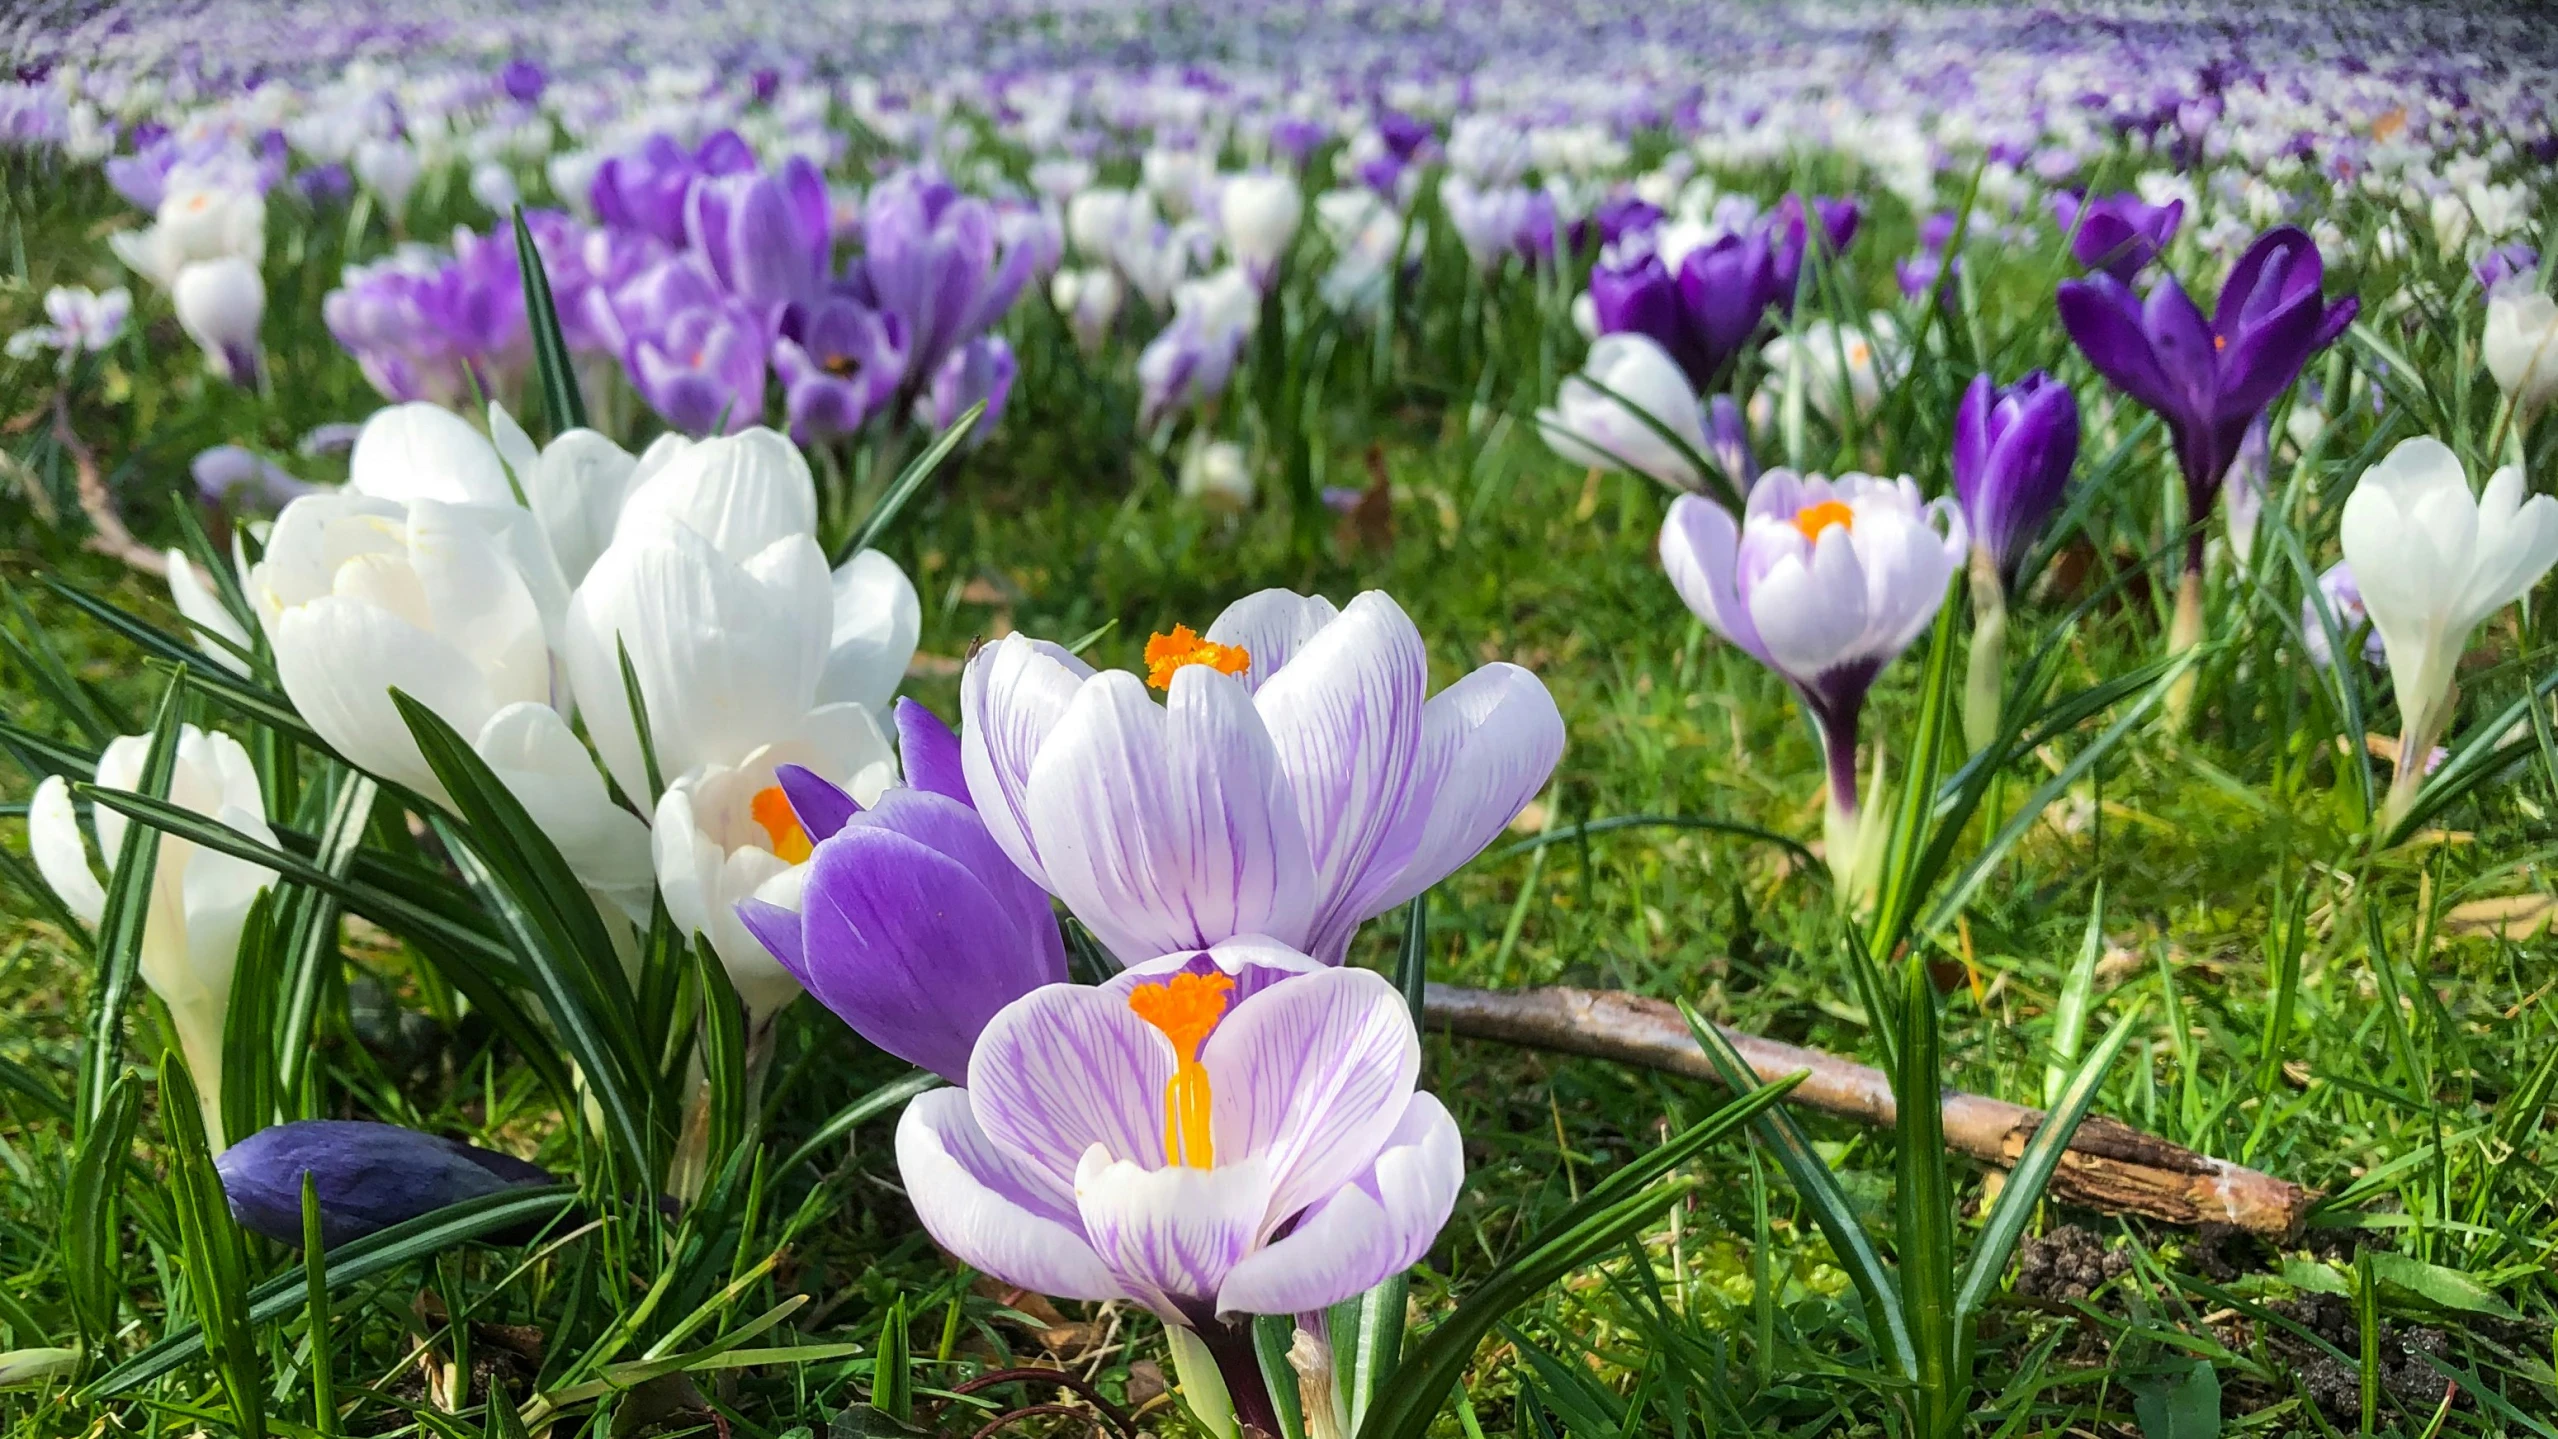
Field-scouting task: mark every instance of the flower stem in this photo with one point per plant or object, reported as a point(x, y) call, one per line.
point(2184, 633)
point(1985, 681)
point(1240, 1364)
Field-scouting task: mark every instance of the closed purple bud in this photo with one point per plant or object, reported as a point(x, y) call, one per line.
point(981, 370)
point(1293, 138)
point(368, 1177)
point(2120, 235)
point(1727, 441)
point(2013, 451)
point(765, 236)
point(523, 80)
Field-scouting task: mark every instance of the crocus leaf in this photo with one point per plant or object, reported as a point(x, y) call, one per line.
point(128, 910)
point(91, 1265)
point(909, 480)
point(217, 1267)
point(550, 351)
point(2033, 1171)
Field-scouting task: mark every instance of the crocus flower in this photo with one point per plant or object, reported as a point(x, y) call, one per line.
point(1825, 582)
point(1194, 357)
point(2505, 265)
point(1295, 784)
point(224, 473)
point(764, 236)
point(390, 169)
point(694, 354)
point(1788, 231)
point(193, 225)
point(2013, 449)
point(1258, 215)
point(1217, 477)
point(1213, 1135)
point(1919, 273)
point(1593, 426)
point(2117, 234)
point(1365, 231)
point(200, 898)
point(1090, 300)
point(2208, 379)
point(2432, 562)
point(910, 924)
point(1727, 441)
point(2520, 347)
point(839, 361)
point(367, 1177)
point(191, 591)
point(983, 369)
point(934, 259)
point(736, 632)
point(220, 304)
point(1703, 313)
point(646, 190)
point(1844, 368)
point(83, 322)
point(427, 326)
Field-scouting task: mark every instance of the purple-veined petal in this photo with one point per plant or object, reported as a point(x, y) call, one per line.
point(1502, 734)
point(1171, 1234)
point(1010, 697)
point(981, 1205)
point(1367, 1232)
point(1269, 626)
point(1310, 1078)
point(1065, 1068)
point(1700, 549)
point(1812, 613)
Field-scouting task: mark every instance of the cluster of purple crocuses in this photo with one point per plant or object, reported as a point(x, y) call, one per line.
point(1704, 298)
point(705, 278)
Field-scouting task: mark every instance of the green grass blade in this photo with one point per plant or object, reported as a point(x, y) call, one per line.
point(852, 1116)
point(127, 912)
point(315, 1284)
point(312, 958)
point(1923, 1201)
point(91, 1265)
point(557, 376)
point(909, 481)
point(217, 1270)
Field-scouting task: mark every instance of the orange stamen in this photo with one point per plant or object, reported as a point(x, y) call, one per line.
point(1185, 1008)
point(771, 809)
point(1812, 519)
point(1166, 654)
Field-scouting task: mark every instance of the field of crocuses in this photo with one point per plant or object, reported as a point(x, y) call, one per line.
point(1278, 721)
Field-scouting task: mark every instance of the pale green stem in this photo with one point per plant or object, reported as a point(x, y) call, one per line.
point(1984, 686)
point(2184, 633)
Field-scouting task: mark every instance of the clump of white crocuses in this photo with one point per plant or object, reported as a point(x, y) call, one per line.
point(2520, 345)
point(2432, 561)
point(200, 898)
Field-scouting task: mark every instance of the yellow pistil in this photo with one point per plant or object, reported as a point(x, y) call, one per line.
point(1168, 653)
point(1812, 519)
point(771, 809)
point(1185, 1008)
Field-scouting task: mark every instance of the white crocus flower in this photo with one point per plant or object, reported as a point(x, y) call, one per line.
point(220, 304)
point(389, 169)
point(1589, 426)
point(191, 590)
point(1839, 361)
point(455, 606)
point(2521, 347)
point(574, 486)
point(1090, 300)
point(2432, 562)
point(748, 655)
point(1259, 215)
point(199, 898)
point(194, 225)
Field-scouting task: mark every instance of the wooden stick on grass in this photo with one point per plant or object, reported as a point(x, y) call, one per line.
point(2109, 1165)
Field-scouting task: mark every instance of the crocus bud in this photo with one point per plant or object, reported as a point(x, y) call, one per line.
point(2117, 234)
point(2521, 346)
point(1090, 300)
point(1216, 478)
point(1727, 441)
point(2433, 562)
point(1630, 408)
point(2013, 449)
point(1260, 214)
point(368, 1177)
point(220, 303)
point(913, 927)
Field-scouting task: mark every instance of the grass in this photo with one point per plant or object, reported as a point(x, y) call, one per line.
point(2400, 1065)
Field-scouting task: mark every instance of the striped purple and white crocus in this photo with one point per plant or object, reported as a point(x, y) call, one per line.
point(1214, 1135)
point(1825, 582)
point(1295, 783)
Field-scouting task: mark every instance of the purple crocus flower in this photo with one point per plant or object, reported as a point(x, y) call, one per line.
point(1294, 784)
point(693, 354)
point(1825, 582)
point(2118, 234)
point(1919, 273)
point(2343, 599)
point(428, 327)
point(229, 472)
point(368, 1177)
point(1405, 135)
point(1705, 314)
point(1293, 138)
point(523, 80)
point(982, 369)
point(2013, 449)
point(913, 927)
point(934, 259)
point(2209, 379)
point(646, 190)
point(325, 185)
point(1213, 1135)
point(764, 236)
point(1788, 235)
point(839, 361)
point(2504, 263)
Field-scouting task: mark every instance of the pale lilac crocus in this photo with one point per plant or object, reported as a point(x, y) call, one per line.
point(1825, 582)
point(764, 236)
point(1213, 1135)
point(1295, 784)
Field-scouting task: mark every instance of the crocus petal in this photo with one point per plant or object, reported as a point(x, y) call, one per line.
point(1011, 697)
point(1269, 625)
point(928, 752)
point(1366, 1233)
point(821, 805)
point(1503, 737)
point(981, 1205)
point(1169, 827)
point(1171, 1234)
point(1812, 615)
point(2104, 317)
point(877, 620)
point(1700, 550)
point(1310, 1078)
point(1345, 717)
point(61, 855)
point(1065, 1068)
point(419, 451)
point(541, 763)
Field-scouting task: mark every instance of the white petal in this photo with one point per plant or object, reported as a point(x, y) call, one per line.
point(1368, 1231)
point(742, 492)
point(877, 620)
point(541, 763)
point(419, 451)
point(967, 1193)
point(61, 855)
point(1011, 697)
point(1269, 626)
point(1502, 735)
